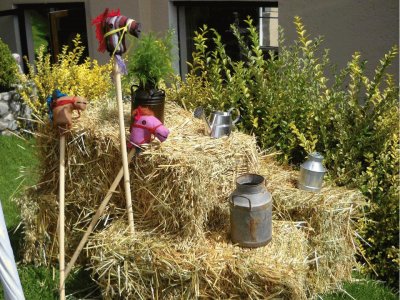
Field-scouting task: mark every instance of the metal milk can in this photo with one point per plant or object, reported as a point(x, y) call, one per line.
point(312, 173)
point(251, 212)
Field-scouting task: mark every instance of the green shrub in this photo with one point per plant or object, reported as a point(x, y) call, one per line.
point(8, 70)
point(287, 102)
point(380, 183)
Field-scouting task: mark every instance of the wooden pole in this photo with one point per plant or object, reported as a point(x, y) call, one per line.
point(61, 192)
point(128, 197)
point(97, 216)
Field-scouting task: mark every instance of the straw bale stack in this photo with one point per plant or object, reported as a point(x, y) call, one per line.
point(180, 187)
point(176, 185)
point(154, 266)
point(327, 219)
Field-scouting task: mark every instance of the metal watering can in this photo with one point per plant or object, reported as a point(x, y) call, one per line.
point(220, 123)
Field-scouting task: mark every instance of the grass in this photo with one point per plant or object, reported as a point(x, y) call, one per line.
point(17, 155)
point(362, 289)
point(38, 282)
point(41, 282)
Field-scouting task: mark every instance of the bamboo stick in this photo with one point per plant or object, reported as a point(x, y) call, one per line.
point(97, 216)
point(62, 216)
point(117, 77)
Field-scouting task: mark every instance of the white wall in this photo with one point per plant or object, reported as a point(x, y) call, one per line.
point(368, 26)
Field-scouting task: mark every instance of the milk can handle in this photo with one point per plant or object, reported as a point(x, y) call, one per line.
point(233, 202)
point(238, 117)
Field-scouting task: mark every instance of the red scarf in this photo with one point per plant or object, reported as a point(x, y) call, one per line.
point(63, 102)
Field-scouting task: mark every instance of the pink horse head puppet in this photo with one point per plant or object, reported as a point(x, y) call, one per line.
point(145, 126)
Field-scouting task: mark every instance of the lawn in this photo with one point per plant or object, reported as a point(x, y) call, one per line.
point(41, 283)
point(38, 282)
point(17, 157)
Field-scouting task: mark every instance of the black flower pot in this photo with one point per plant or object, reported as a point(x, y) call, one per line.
point(151, 98)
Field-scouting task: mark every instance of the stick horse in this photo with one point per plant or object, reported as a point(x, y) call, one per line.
point(61, 108)
point(145, 127)
point(111, 28)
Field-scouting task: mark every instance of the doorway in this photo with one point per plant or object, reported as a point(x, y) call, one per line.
point(49, 26)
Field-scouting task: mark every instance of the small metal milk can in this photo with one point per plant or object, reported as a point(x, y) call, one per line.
point(251, 212)
point(312, 173)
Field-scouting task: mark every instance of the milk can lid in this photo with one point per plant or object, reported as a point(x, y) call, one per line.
point(318, 156)
point(314, 163)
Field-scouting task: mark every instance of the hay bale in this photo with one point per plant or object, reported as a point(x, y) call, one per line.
point(180, 191)
point(327, 218)
point(175, 185)
point(90, 166)
point(153, 266)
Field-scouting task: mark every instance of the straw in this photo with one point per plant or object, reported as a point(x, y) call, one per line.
point(180, 189)
point(153, 266)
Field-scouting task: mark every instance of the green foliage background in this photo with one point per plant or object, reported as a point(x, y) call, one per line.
point(40, 30)
point(9, 68)
point(287, 103)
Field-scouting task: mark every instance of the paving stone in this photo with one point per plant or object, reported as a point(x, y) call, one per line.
point(13, 125)
point(9, 117)
point(15, 106)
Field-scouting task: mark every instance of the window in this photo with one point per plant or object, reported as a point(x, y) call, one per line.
point(220, 15)
point(49, 25)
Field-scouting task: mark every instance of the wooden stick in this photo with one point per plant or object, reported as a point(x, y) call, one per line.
point(97, 216)
point(117, 77)
point(62, 216)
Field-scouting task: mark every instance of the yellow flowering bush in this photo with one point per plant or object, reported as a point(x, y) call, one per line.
point(87, 79)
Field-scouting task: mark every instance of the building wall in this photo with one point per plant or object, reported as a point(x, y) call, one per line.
point(153, 15)
point(8, 36)
point(368, 26)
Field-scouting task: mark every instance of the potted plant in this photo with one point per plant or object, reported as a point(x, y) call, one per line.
point(150, 63)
